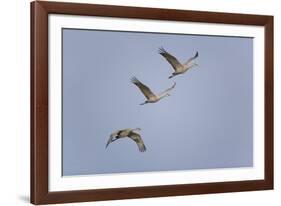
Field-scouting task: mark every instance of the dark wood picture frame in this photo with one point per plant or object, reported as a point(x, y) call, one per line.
point(39, 102)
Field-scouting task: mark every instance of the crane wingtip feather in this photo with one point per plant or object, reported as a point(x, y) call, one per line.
point(134, 79)
point(161, 50)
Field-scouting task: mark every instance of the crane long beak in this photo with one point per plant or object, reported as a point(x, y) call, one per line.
point(110, 141)
point(107, 144)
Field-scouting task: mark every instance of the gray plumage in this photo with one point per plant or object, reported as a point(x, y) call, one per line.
point(149, 95)
point(178, 67)
point(130, 133)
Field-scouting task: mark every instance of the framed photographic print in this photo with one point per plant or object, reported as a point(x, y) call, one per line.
point(133, 102)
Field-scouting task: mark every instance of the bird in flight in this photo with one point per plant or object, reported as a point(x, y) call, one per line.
point(177, 66)
point(130, 133)
point(149, 95)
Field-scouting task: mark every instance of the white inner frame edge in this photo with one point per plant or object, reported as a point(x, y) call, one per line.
point(59, 183)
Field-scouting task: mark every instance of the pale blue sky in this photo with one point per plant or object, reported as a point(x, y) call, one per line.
point(206, 123)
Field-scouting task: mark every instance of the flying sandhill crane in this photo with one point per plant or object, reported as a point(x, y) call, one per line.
point(177, 66)
point(131, 133)
point(150, 96)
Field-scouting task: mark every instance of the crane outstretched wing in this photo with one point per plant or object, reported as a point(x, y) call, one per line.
point(138, 140)
point(144, 89)
point(191, 59)
point(170, 58)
